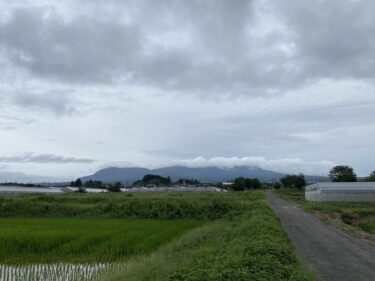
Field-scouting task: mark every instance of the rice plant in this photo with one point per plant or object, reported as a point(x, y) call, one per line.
point(55, 271)
point(51, 240)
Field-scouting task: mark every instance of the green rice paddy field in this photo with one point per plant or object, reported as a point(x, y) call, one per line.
point(46, 240)
point(146, 236)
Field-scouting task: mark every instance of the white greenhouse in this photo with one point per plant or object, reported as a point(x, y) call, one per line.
point(341, 191)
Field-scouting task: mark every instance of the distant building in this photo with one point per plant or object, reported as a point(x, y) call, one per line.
point(341, 191)
point(227, 184)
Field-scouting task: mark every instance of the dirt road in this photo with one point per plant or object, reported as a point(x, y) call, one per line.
point(329, 253)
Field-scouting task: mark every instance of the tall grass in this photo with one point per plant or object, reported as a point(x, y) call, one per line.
point(205, 206)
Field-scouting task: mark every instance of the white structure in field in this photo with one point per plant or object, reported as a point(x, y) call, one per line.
point(340, 191)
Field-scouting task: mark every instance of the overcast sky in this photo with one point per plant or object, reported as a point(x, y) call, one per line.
point(283, 85)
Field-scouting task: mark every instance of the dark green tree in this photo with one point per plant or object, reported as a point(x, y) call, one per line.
point(89, 184)
point(276, 185)
point(239, 184)
point(76, 183)
point(115, 188)
point(188, 181)
point(153, 179)
point(371, 177)
point(342, 173)
point(252, 183)
point(94, 184)
point(293, 181)
point(242, 183)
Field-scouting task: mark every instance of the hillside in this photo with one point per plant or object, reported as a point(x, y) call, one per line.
point(206, 174)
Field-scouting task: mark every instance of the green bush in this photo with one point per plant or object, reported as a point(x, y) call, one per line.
point(367, 225)
point(347, 218)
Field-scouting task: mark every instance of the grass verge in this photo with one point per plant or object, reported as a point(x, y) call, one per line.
point(349, 216)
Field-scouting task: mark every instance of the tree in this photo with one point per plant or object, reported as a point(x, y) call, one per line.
point(81, 189)
point(153, 179)
point(76, 183)
point(115, 188)
point(371, 177)
point(188, 181)
point(342, 173)
point(239, 184)
point(293, 181)
point(252, 183)
point(242, 183)
point(276, 185)
point(94, 184)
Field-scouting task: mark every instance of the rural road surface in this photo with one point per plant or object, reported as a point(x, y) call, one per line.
point(329, 253)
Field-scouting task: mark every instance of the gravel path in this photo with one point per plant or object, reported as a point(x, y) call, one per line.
point(329, 253)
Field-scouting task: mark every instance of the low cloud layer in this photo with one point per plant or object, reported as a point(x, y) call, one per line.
point(42, 159)
point(279, 165)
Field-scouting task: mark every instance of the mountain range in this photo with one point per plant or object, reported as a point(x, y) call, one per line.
point(204, 174)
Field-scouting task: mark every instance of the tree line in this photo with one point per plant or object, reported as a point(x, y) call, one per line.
point(343, 173)
point(147, 180)
point(95, 184)
point(340, 173)
point(288, 181)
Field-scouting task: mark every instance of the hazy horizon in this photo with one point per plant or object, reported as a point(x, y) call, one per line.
point(93, 84)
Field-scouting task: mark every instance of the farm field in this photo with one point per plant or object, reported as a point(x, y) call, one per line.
point(42, 240)
point(170, 205)
point(346, 215)
point(163, 236)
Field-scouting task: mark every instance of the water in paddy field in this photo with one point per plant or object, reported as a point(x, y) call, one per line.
point(54, 272)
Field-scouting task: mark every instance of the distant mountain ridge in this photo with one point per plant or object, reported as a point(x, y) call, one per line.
point(204, 174)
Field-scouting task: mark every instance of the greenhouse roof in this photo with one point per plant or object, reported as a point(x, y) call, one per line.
point(342, 186)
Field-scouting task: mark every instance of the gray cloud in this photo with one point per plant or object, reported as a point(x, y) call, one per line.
point(42, 158)
point(197, 46)
point(154, 81)
point(81, 50)
point(333, 39)
point(9, 121)
point(56, 101)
